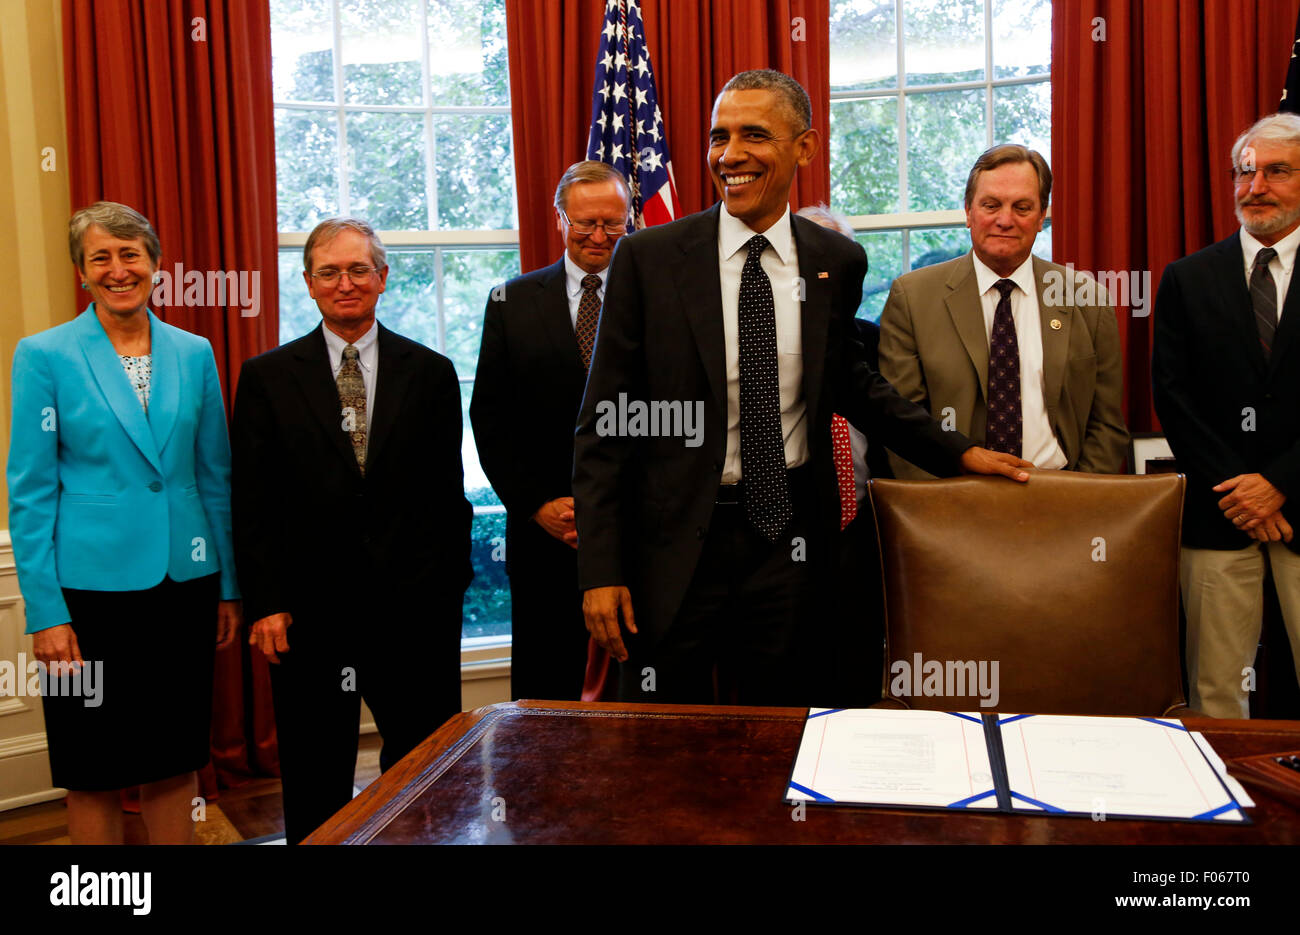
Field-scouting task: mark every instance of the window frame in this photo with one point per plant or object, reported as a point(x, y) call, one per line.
point(907, 221)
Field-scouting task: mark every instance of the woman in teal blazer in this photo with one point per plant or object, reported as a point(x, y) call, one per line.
point(119, 511)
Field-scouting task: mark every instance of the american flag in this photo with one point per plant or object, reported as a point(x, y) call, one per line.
point(627, 128)
point(1290, 102)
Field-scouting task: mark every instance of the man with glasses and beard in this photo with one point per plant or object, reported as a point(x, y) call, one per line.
point(1226, 369)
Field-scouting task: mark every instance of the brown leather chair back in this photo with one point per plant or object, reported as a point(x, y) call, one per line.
point(1069, 583)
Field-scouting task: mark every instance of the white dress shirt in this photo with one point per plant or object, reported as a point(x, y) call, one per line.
point(781, 264)
point(1279, 267)
point(1037, 441)
point(367, 356)
point(573, 274)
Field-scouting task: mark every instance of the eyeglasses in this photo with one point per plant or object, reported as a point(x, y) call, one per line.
point(583, 228)
point(360, 275)
point(1277, 172)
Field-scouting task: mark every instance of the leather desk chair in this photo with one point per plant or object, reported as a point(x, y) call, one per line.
point(1068, 582)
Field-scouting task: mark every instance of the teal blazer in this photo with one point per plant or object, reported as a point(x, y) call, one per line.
point(103, 497)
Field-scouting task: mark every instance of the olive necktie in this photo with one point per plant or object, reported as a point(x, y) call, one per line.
point(352, 396)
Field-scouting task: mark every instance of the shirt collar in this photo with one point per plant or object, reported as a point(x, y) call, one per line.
point(1286, 248)
point(733, 234)
point(1022, 277)
point(336, 344)
point(573, 274)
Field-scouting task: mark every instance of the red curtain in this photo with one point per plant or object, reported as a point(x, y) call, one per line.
point(694, 49)
point(1147, 98)
point(169, 111)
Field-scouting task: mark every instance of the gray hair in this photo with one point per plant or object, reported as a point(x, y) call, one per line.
point(792, 94)
point(330, 228)
point(588, 170)
point(822, 214)
point(1276, 127)
point(122, 222)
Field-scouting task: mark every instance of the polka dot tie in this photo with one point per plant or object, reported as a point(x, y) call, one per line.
point(588, 315)
point(352, 396)
point(1004, 422)
point(842, 451)
point(762, 445)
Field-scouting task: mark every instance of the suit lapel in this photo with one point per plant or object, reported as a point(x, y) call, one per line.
point(165, 391)
point(1229, 278)
point(1056, 340)
point(554, 318)
point(967, 314)
point(699, 289)
point(384, 412)
point(314, 376)
point(106, 367)
point(815, 313)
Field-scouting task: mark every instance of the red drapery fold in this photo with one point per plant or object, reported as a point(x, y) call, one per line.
point(694, 49)
point(169, 111)
point(1147, 98)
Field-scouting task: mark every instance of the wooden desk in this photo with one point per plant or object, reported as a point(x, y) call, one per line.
point(667, 774)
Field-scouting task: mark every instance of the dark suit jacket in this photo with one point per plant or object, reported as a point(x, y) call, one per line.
point(877, 456)
point(297, 490)
point(526, 396)
point(1209, 376)
point(644, 504)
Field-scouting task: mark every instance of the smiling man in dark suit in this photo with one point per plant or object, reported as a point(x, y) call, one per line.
point(538, 333)
point(351, 528)
point(704, 551)
point(1226, 373)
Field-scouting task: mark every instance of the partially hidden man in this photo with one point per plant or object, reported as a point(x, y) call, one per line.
point(996, 342)
point(1226, 374)
point(352, 531)
point(538, 334)
point(703, 555)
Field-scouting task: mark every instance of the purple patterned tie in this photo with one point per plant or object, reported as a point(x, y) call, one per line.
point(1004, 421)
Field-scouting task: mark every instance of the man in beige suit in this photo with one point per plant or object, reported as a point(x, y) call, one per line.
point(1052, 393)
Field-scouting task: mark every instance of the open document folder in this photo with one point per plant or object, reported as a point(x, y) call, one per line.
point(1103, 767)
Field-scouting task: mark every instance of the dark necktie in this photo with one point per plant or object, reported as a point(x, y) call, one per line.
point(1005, 426)
point(1263, 296)
point(588, 315)
point(352, 396)
point(762, 445)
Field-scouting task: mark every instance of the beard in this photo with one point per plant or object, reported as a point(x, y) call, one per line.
point(1278, 222)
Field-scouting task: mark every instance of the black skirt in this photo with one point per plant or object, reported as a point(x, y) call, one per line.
point(143, 710)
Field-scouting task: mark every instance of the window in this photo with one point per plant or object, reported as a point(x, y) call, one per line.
point(399, 111)
point(919, 88)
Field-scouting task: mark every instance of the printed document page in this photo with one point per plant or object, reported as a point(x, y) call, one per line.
point(885, 757)
point(1111, 767)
